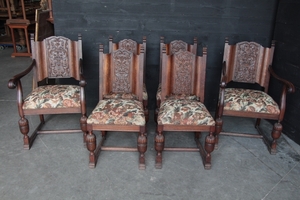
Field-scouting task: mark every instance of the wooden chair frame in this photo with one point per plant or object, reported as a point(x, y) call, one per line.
point(135, 48)
point(171, 48)
point(106, 64)
point(198, 89)
point(260, 75)
point(40, 67)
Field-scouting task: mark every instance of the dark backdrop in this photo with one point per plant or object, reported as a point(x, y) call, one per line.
point(286, 62)
point(209, 20)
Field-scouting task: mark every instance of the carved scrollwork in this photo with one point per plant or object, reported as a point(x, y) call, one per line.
point(183, 70)
point(58, 58)
point(247, 55)
point(177, 45)
point(123, 61)
point(129, 45)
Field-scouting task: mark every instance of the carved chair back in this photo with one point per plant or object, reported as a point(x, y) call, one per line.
point(184, 74)
point(175, 46)
point(121, 71)
point(127, 44)
point(56, 57)
point(248, 62)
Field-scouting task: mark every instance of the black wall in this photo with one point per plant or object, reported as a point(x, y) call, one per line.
point(287, 61)
point(209, 20)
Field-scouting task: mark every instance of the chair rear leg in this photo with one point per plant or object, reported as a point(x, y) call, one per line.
point(142, 148)
point(219, 125)
point(276, 132)
point(83, 126)
point(24, 128)
point(159, 147)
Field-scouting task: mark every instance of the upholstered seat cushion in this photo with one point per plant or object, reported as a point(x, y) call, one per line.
point(184, 112)
point(53, 96)
point(238, 99)
point(118, 112)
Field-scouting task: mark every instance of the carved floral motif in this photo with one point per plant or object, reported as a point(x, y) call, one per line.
point(183, 72)
point(246, 62)
point(129, 45)
point(177, 45)
point(58, 57)
point(122, 59)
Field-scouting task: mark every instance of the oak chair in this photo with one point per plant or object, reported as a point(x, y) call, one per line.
point(57, 58)
point(120, 106)
point(251, 63)
point(182, 103)
point(135, 48)
point(171, 48)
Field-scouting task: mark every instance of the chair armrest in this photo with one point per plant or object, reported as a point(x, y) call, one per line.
point(288, 87)
point(223, 76)
point(13, 82)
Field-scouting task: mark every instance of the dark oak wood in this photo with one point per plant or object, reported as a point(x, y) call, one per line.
point(134, 47)
point(171, 48)
point(111, 65)
point(258, 72)
point(45, 55)
point(184, 74)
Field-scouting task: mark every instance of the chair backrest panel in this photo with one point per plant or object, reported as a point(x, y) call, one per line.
point(57, 57)
point(248, 62)
point(175, 46)
point(121, 71)
point(183, 74)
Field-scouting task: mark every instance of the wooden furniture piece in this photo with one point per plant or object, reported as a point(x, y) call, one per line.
point(43, 28)
point(182, 103)
point(19, 19)
point(249, 62)
point(134, 47)
point(55, 57)
point(171, 48)
point(120, 106)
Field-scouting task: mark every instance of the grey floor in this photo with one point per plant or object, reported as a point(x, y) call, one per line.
point(56, 167)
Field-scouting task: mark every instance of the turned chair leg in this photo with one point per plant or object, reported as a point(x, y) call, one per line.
point(83, 125)
point(219, 125)
point(209, 147)
point(159, 147)
point(142, 148)
point(276, 132)
point(91, 146)
point(24, 128)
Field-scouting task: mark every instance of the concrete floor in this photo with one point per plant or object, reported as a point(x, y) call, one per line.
point(56, 167)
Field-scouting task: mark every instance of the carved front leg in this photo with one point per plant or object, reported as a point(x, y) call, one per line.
point(159, 147)
point(209, 147)
point(142, 148)
point(91, 146)
point(277, 128)
point(24, 129)
point(219, 125)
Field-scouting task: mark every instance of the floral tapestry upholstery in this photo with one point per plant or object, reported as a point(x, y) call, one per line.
point(126, 95)
point(184, 112)
point(237, 99)
point(53, 96)
point(118, 112)
point(176, 96)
